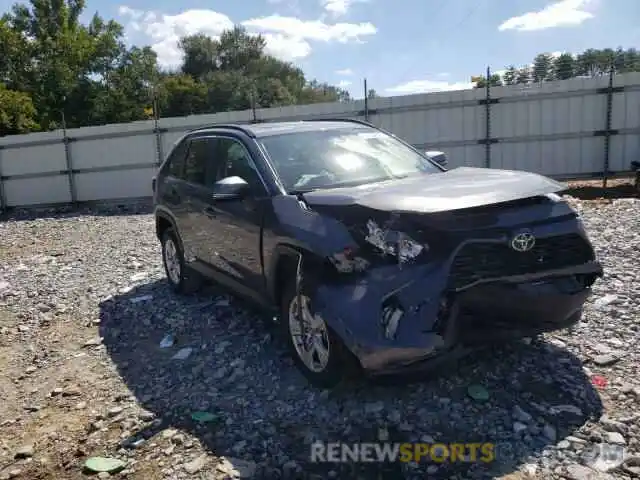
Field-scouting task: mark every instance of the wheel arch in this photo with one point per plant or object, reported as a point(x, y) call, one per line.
point(164, 220)
point(284, 264)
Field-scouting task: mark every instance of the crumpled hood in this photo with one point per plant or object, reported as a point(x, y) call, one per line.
point(463, 187)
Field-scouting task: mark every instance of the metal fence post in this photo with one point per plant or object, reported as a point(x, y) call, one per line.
point(366, 102)
point(487, 101)
point(67, 154)
point(607, 135)
point(487, 145)
point(3, 199)
point(157, 132)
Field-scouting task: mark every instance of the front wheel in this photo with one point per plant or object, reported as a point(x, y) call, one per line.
point(316, 350)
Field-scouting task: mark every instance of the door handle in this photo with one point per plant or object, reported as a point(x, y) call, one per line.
point(209, 212)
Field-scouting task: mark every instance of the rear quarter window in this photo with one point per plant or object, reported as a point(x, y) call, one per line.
point(175, 162)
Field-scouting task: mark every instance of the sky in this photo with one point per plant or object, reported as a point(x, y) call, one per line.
point(400, 47)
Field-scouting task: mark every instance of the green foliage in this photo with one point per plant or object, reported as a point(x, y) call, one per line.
point(546, 67)
point(17, 113)
point(55, 69)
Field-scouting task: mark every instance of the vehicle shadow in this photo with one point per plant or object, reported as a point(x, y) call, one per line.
point(266, 412)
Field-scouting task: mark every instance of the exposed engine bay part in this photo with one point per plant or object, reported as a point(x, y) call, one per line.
point(390, 317)
point(391, 242)
point(346, 262)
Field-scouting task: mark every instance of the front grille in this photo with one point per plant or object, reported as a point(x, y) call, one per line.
point(481, 261)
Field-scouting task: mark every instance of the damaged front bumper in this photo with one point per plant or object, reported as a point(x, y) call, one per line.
point(396, 320)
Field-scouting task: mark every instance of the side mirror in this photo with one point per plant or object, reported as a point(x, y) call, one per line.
point(230, 188)
point(438, 157)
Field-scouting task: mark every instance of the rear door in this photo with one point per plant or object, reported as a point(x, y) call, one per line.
point(170, 192)
point(198, 166)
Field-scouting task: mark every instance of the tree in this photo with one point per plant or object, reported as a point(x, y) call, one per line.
point(510, 75)
point(523, 76)
point(200, 55)
point(372, 94)
point(53, 66)
point(542, 68)
point(17, 113)
point(564, 66)
point(180, 95)
point(481, 81)
point(62, 53)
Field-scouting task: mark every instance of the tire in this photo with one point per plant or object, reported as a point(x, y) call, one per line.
point(185, 280)
point(341, 363)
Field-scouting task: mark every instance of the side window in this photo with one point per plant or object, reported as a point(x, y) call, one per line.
point(234, 160)
point(175, 163)
point(197, 157)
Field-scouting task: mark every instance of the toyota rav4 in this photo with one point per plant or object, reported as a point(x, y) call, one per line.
point(374, 256)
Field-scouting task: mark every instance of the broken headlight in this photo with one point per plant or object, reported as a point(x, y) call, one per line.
point(394, 243)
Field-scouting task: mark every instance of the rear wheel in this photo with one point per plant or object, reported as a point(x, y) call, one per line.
point(316, 350)
point(182, 279)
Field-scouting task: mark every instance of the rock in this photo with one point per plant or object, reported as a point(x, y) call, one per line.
point(612, 425)
point(195, 465)
point(520, 415)
point(114, 411)
point(93, 342)
point(237, 467)
point(375, 407)
point(605, 301)
point(519, 427)
point(557, 409)
point(72, 392)
point(168, 433)
point(290, 468)
point(42, 307)
point(580, 472)
point(605, 360)
point(25, 451)
point(549, 432)
point(146, 416)
point(615, 438)
point(604, 457)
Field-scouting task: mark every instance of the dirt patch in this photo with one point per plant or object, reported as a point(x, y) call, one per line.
point(593, 189)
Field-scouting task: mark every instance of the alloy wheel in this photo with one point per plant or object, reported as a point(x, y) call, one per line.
point(309, 335)
point(172, 260)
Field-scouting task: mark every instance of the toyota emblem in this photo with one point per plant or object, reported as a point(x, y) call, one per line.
point(523, 242)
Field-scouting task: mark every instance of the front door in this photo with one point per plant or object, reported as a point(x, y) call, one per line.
point(231, 241)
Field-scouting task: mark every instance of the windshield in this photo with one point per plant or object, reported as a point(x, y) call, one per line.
point(341, 157)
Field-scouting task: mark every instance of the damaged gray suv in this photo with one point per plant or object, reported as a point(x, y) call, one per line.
point(370, 254)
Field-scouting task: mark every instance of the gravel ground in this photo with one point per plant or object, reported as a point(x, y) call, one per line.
point(84, 306)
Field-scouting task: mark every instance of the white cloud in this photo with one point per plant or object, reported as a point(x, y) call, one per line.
point(165, 30)
point(346, 72)
point(311, 29)
point(285, 47)
point(338, 7)
point(559, 14)
point(427, 86)
point(344, 83)
point(286, 37)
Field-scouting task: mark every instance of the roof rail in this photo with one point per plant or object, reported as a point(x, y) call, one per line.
point(352, 120)
point(228, 126)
